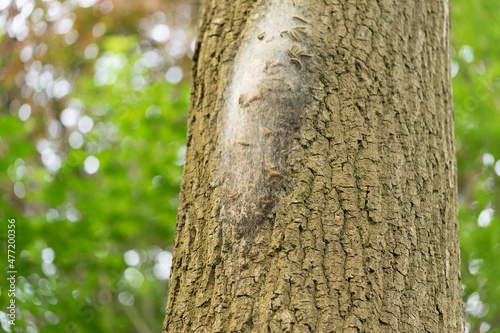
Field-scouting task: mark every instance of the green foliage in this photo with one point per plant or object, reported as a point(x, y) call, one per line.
point(90, 221)
point(91, 175)
point(476, 88)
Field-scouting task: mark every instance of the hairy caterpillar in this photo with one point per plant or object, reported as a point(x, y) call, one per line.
point(255, 169)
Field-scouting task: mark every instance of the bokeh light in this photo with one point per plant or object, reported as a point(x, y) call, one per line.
point(94, 103)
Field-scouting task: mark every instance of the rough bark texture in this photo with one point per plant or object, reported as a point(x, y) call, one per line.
point(340, 215)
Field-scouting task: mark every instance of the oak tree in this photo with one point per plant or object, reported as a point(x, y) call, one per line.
point(319, 189)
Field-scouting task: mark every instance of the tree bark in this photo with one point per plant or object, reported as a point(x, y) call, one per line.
point(319, 191)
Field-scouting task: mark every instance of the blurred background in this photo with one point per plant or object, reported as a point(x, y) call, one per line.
point(93, 109)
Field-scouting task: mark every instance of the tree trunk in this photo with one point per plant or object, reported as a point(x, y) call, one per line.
point(319, 190)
